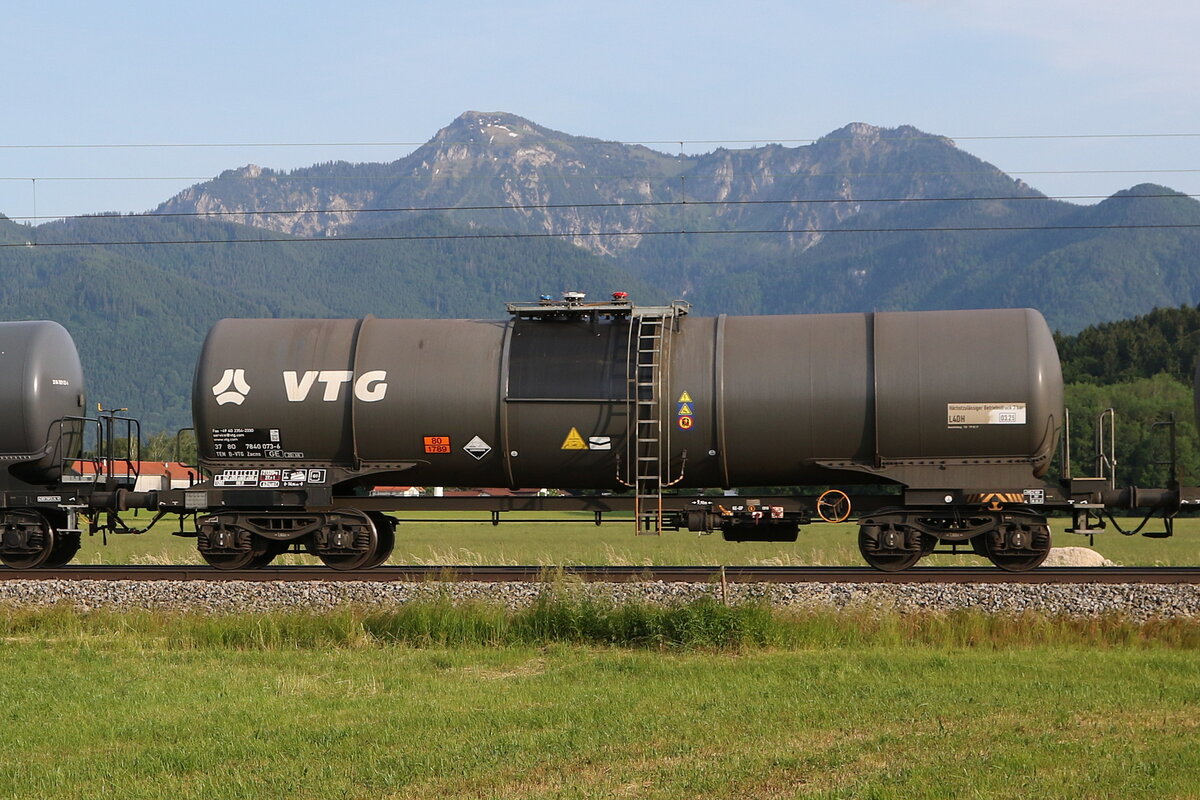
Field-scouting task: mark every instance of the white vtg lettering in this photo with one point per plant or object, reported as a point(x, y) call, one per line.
point(370, 387)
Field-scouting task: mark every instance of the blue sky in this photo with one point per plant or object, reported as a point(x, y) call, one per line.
point(81, 73)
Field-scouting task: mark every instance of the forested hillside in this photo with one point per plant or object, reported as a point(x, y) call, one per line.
point(1143, 369)
point(1167, 340)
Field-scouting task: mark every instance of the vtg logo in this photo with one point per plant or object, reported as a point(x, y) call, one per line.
point(232, 388)
point(370, 387)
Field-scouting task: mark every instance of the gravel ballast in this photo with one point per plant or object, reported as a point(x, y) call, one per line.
point(1136, 601)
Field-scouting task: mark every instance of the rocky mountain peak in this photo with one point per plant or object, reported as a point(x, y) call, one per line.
point(491, 127)
point(248, 171)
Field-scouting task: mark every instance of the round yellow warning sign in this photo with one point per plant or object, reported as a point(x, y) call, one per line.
point(685, 423)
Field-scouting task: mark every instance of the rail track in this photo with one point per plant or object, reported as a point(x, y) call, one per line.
point(675, 574)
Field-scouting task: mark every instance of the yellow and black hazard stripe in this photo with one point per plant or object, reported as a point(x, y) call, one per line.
point(995, 501)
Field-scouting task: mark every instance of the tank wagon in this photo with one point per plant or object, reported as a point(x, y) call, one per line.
point(933, 429)
point(45, 477)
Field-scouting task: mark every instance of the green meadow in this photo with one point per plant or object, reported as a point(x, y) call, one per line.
point(572, 699)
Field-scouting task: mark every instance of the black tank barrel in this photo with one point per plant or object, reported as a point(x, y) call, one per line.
point(553, 400)
point(41, 384)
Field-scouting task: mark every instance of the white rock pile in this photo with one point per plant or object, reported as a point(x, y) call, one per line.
point(1076, 557)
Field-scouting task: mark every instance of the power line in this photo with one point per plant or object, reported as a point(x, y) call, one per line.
point(606, 205)
point(109, 178)
point(275, 175)
point(779, 140)
point(572, 235)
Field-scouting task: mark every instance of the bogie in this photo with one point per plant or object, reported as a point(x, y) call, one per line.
point(29, 540)
point(895, 539)
point(1017, 546)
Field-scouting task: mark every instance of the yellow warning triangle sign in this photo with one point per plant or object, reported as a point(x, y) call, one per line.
point(574, 441)
point(685, 398)
point(684, 409)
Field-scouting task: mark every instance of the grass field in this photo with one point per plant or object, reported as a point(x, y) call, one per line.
point(464, 704)
point(464, 542)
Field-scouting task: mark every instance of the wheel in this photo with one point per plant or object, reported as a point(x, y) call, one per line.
point(833, 506)
point(63, 551)
point(235, 548)
point(340, 554)
point(1017, 548)
point(274, 548)
point(385, 527)
point(892, 548)
point(249, 559)
point(28, 541)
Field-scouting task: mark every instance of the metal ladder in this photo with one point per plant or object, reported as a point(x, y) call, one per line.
point(648, 335)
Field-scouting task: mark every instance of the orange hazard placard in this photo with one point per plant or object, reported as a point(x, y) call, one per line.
point(437, 444)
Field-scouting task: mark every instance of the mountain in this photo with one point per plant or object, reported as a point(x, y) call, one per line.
point(877, 218)
point(495, 208)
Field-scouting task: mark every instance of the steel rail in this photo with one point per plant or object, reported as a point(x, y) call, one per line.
point(673, 574)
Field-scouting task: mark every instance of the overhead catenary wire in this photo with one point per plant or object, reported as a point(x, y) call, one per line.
point(275, 175)
point(589, 234)
point(296, 174)
point(602, 205)
point(659, 141)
